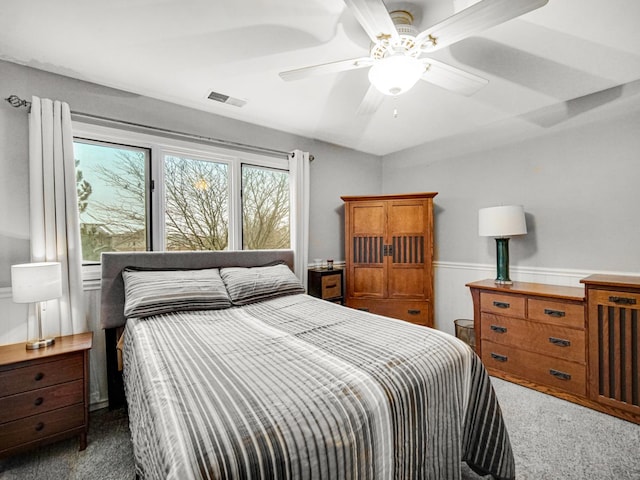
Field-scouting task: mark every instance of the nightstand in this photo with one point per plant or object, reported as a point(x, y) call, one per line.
point(44, 393)
point(326, 284)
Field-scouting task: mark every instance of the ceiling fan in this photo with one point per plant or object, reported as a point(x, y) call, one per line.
point(396, 58)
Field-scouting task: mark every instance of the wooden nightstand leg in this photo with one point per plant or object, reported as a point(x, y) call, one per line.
point(83, 441)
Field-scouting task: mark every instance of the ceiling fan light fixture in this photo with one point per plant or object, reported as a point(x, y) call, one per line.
point(396, 74)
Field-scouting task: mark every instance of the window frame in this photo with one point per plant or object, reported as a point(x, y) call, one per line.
point(159, 147)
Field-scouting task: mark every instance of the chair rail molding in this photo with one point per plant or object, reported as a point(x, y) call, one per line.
point(452, 300)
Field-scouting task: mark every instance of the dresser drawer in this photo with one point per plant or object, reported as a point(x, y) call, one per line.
point(615, 299)
point(556, 313)
point(331, 286)
point(42, 374)
point(37, 427)
point(540, 369)
point(512, 306)
point(41, 400)
point(558, 342)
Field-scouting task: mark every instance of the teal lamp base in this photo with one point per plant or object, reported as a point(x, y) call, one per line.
point(502, 256)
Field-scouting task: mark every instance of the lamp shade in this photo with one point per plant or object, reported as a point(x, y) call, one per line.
point(396, 74)
point(36, 282)
point(503, 221)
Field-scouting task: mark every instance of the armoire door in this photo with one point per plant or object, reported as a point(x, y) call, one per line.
point(409, 228)
point(367, 223)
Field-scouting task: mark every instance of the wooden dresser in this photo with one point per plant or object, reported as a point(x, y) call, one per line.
point(44, 393)
point(389, 255)
point(532, 334)
point(551, 339)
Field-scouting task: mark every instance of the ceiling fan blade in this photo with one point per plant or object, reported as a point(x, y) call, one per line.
point(452, 78)
point(374, 18)
point(333, 67)
point(474, 19)
point(371, 101)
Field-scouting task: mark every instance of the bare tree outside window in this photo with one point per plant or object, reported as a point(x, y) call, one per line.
point(111, 194)
point(197, 204)
point(265, 208)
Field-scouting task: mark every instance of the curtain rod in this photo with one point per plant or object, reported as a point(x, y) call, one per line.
point(17, 102)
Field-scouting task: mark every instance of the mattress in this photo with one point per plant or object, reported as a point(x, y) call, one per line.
point(299, 388)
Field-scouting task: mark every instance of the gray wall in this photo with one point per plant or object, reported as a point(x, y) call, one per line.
point(578, 180)
point(336, 171)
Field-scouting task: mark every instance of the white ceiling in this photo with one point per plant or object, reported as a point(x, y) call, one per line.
point(180, 50)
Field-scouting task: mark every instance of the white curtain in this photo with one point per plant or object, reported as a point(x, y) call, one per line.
point(299, 169)
point(54, 218)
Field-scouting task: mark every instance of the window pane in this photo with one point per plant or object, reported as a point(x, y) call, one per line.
point(265, 208)
point(196, 204)
point(110, 180)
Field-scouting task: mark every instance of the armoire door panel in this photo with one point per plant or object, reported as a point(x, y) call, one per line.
point(408, 249)
point(368, 219)
point(406, 282)
point(406, 218)
point(367, 249)
point(367, 282)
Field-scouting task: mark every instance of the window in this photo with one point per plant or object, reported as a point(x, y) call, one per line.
point(265, 208)
point(141, 192)
point(112, 197)
point(196, 208)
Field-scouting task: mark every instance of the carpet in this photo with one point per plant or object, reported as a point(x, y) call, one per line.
point(108, 456)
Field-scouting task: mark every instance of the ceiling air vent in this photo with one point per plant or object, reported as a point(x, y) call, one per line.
point(222, 98)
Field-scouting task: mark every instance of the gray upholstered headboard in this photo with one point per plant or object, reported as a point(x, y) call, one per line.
point(112, 298)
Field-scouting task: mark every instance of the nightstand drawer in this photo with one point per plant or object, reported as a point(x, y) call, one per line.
point(42, 374)
point(326, 284)
point(557, 313)
point(332, 286)
point(557, 342)
point(541, 369)
point(37, 427)
point(509, 305)
point(41, 400)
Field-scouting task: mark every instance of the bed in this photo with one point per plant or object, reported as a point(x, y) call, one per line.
point(249, 377)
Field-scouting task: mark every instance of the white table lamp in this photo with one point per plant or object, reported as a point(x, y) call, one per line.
point(502, 223)
point(36, 283)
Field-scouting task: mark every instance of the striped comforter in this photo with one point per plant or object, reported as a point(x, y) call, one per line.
point(299, 388)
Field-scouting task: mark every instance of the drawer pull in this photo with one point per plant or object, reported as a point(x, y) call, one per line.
point(554, 313)
point(560, 342)
point(333, 285)
point(39, 376)
point(363, 309)
point(499, 329)
point(560, 375)
point(501, 304)
point(623, 300)
point(413, 312)
point(38, 401)
point(39, 426)
point(498, 357)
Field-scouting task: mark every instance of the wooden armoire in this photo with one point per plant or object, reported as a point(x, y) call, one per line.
point(389, 255)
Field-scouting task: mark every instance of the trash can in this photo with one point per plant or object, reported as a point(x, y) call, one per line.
point(466, 332)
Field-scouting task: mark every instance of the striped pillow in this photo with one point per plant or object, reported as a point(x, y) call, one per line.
point(151, 292)
point(249, 285)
